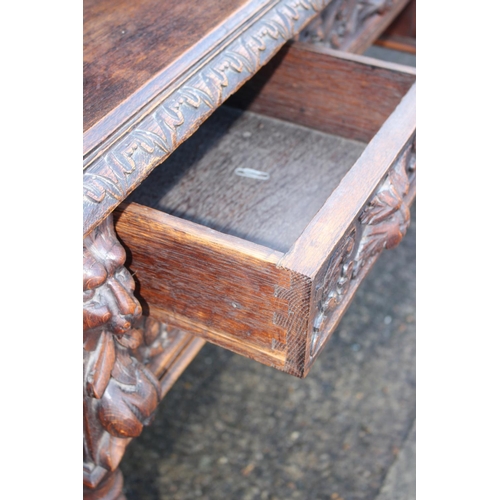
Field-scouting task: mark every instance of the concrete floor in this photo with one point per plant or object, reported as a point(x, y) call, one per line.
point(232, 429)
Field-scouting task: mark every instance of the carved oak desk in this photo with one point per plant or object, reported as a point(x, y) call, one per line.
point(255, 233)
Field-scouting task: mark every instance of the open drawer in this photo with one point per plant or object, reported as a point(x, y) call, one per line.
point(256, 232)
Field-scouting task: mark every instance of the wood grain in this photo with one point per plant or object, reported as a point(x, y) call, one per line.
point(277, 308)
point(406, 22)
point(399, 43)
point(335, 217)
point(120, 160)
point(177, 366)
point(210, 179)
point(208, 283)
point(154, 72)
point(131, 48)
point(204, 281)
point(343, 94)
point(402, 33)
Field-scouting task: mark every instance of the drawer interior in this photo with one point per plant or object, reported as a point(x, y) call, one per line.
point(262, 167)
point(250, 176)
point(254, 234)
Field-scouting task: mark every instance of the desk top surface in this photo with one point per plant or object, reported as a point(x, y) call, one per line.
point(154, 70)
point(132, 49)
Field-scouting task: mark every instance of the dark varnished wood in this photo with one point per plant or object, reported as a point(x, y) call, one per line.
point(406, 22)
point(399, 43)
point(402, 33)
point(109, 488)
point(119, 393)
point(278, 308)
point(154, 72)
point(132, 48)
point(243, 174)
point(352, 25)
point(130, 362)
point(121, 156)
point(166, 351)
point(327, 90)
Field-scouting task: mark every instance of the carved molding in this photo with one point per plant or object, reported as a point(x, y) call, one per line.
point(120, 394)
point(111, 177)
point(341, 20)
point(331, 290)
point(381, 225)
point(386, 218)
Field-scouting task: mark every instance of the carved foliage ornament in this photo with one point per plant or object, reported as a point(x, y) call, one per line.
point(382, 224)
point(340, 20)
point(333, 287)
point(119, 393)
point(386, 218)
point(110, 178)
point(158, 339)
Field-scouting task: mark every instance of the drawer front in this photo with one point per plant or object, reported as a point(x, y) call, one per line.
point(381, 224)
point(276, 307)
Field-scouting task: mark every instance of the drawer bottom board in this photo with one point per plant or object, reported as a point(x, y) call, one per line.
point(250, 176)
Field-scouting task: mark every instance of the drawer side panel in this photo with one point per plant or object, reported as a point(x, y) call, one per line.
point(206, 282)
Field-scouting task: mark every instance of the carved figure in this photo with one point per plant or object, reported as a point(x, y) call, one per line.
point(119, 393)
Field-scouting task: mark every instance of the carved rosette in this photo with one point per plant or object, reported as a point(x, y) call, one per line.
point(341, 20)
point(381, 225)
point(119, 393)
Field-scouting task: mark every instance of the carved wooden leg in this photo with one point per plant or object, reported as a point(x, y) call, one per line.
point(119, 393)
point(110, 488)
